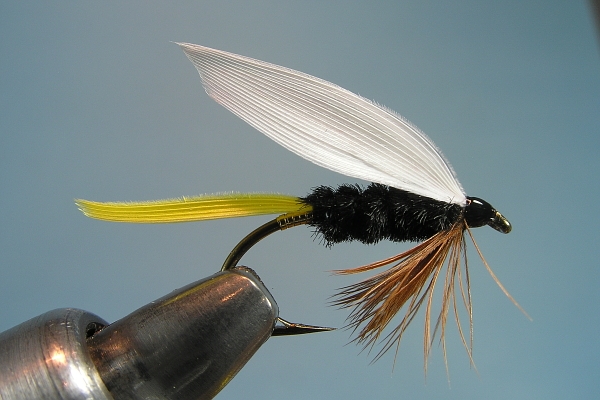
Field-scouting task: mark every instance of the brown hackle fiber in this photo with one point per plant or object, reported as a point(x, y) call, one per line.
point(410, 281)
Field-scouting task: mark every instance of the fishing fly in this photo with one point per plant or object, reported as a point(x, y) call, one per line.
point(414, 195)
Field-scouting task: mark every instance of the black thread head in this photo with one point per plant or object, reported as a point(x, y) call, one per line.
point(479, 212)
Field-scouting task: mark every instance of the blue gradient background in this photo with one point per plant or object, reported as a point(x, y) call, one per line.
point(96, 103)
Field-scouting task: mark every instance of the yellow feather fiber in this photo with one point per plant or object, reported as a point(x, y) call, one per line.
point(187, 209)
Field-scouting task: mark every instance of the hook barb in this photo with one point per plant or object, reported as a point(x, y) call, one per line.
point(290, 328)
point(283, 222)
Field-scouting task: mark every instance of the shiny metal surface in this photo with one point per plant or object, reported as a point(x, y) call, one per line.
point(280, 223)
point(46, 358)
point(188, 344)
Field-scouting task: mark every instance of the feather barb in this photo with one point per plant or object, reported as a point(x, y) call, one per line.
point(410, 282)
point(187, 209)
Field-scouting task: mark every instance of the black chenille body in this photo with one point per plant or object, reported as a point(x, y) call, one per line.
point(377, 212)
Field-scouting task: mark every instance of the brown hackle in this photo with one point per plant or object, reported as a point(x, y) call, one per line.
point(410, 281)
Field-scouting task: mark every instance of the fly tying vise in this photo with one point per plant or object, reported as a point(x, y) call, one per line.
point(415, 195)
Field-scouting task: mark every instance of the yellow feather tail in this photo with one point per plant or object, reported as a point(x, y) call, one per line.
point(187, 209)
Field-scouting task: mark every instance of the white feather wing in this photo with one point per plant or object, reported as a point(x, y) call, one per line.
point(326, 124)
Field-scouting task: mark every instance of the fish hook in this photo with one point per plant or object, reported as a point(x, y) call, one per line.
point(280, 223)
